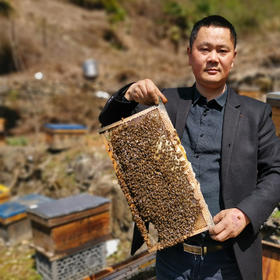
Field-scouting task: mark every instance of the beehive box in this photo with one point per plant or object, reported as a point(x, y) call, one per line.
point(273, 99)
point(75, 266)
point(2, 131)
point(4, 193)
point(62, 136)
point(14, 225)
point(69, 224)
point(156, 178)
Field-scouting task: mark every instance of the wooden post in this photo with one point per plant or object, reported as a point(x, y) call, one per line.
point(270, 260)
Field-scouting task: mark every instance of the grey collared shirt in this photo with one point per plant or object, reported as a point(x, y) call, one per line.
point(202, 140)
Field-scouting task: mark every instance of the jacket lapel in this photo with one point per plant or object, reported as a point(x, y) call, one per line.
point(184, 106)
point(230, 125)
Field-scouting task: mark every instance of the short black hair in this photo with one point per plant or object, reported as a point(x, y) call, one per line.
point(213, 20)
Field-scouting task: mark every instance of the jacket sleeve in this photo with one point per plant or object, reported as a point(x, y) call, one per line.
point(259, 205)
point(117, 107)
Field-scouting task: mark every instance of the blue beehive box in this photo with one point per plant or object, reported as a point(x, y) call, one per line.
point(61, 136)
point(63, 127)
point(14, 225)
point(11, 211)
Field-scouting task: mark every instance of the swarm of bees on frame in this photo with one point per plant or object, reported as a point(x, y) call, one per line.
point(152, 173)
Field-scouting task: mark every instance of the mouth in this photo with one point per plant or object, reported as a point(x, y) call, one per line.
point(212, 71)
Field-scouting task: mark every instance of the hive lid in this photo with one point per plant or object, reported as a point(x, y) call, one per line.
point(62, 126)
point(33, 200)
point(9, 209)
point(16, 209)
point(67, 206)
point(274, 95)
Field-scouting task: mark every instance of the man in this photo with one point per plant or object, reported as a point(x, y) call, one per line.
point(231, 143)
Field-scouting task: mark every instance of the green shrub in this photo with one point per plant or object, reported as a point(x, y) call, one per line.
point(246, 16)
point(16, 141)
point(89, 4)
point(176, 14)
point(6, 8)
point(112, 7)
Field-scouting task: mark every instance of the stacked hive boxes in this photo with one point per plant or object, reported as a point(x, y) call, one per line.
point(69, 236)
point(14, 224)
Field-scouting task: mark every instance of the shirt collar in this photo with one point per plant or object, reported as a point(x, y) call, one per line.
point(220, 100)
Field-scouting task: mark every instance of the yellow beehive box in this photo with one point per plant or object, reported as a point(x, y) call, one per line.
point(4, 193)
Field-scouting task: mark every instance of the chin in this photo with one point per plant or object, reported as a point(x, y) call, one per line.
point(210, 83)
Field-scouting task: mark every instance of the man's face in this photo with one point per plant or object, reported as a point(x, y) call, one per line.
point(212, 56)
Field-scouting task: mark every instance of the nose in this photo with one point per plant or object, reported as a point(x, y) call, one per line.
point(213, 56)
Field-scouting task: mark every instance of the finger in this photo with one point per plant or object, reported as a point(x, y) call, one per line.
point(162, 97)
point(219, 217)
point(222, 236)
point(128, 95)
point(218, 228)
point(155, 92)
point(155, 96)
point(135, 92)
point(137, 95)
point(152, 91)
point(143, 89)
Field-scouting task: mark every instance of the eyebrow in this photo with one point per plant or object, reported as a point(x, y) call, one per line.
point(209, 44)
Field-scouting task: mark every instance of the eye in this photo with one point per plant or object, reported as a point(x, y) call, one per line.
point(204, 49)
point(223, 51)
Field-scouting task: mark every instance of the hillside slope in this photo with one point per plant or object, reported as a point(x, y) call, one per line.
point(56, 37)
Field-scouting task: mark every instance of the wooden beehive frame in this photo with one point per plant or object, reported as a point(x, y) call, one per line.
point(202, 221)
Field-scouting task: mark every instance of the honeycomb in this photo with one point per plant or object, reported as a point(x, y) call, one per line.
point(156, 178)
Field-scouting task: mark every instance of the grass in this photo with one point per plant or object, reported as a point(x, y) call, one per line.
point(17, 263)
point(16, 141)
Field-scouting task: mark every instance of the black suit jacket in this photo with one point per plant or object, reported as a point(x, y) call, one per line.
point(250, 164)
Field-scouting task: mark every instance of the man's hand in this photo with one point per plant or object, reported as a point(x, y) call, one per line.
point(144, 92)
point(229, 223)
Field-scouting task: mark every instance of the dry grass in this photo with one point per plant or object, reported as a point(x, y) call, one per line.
point(17, 263)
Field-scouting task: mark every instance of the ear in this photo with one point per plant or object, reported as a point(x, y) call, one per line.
point(189, 52)
point(234, 56)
